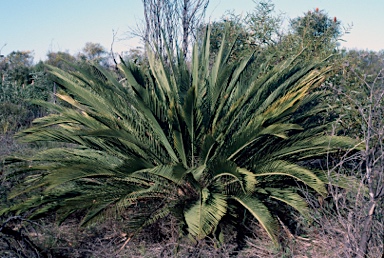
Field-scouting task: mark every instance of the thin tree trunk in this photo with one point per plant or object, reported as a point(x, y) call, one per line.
point(366, 235)
point(185, 24)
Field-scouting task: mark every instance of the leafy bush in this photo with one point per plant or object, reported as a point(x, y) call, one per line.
point(16, 110)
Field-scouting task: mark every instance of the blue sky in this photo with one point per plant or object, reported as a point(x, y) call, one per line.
point(66, 25)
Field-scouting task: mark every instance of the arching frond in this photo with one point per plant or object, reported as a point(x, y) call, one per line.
point(261, 213)
point(206, 213)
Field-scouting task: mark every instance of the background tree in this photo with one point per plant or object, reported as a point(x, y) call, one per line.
point(352, 216)
point(361, 92)
point(263, 24)
point(232, 27)
point(94, 52)
point(257, 30)
point(317, 31)
point(371, 167)
point(60, 59)
point(21, 82)
point(171, 24)
point(16, 66)
point(136, 55)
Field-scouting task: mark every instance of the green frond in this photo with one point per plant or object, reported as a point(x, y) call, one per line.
point(285, 169)
point(289, 197)
point(250, 180)
point(341, 180)
point(175, 173)
point(140, 221)
point(205, 214)
point(261, 213)
point(94, 212)
point(197, 172)
point(313, 146)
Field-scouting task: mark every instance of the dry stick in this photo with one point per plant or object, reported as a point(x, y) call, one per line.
point(114, 33)
point(125, 243)
point(286, 230)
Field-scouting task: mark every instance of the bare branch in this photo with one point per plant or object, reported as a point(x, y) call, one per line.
point(169, 24)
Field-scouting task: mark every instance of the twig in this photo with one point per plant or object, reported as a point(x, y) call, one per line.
point(114, 33)
point(286, 230)
point(123, 246)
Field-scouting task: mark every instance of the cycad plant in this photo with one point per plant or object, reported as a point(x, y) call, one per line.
point(199, 141)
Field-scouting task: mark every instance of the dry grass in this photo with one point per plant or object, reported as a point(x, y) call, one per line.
point(111, 238)
point(107, 239)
